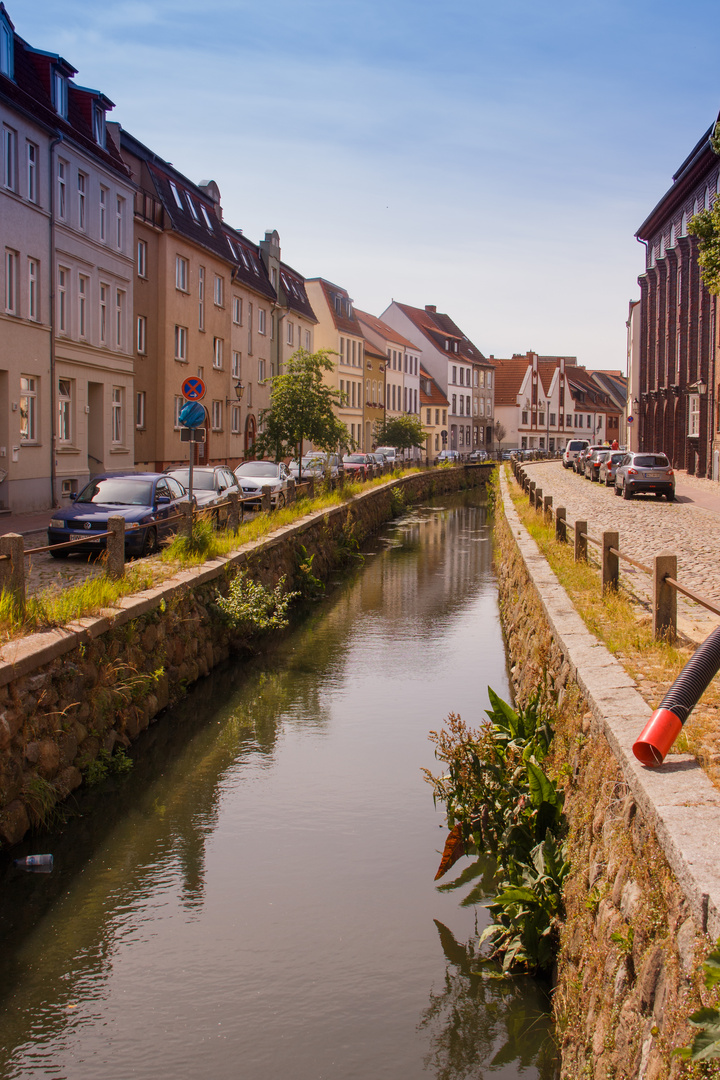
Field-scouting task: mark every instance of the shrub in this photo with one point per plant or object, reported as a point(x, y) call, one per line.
point(251, 609)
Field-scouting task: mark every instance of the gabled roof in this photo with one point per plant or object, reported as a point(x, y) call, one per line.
point(346, 324)
point(438, 328)
point(436, 396)
point(293, 285)
point(383, 330)
point(509, 375)
point(30, 91)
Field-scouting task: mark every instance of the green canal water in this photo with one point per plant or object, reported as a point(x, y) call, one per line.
point(256, 899)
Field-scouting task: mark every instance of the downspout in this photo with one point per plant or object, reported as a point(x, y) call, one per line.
point(51, 293)
point(641, 418)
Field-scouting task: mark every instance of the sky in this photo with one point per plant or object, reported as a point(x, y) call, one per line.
point(494, 159)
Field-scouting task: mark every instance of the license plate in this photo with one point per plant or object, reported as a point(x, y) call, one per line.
point(88, 539)
point(652, 475)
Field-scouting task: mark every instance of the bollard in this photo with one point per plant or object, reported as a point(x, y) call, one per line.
point(538, 498)
point(186, 522)
point(12, 569)
point(291, 492)
point(531, 492)
point(561, 524)
point(266, 500)
point(610, 561)
point(116, 547)
point(233, 520)
point(581, 541)
point(311, 488)
point(664, 598)
point(547, 507)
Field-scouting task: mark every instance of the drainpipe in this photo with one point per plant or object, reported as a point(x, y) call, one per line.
point(641, 417)
point(53, 402)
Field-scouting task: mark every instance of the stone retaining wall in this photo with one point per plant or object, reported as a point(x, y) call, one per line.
point(640, 897)
point(67, 695)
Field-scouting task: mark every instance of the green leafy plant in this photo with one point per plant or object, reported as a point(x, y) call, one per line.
point(397, 502)
point(706, 1044)
point(311, 587)
point(250, 608)
point(107, 764)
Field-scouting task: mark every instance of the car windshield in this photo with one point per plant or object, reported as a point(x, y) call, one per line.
point(202, 481)
point(358, 459)
point(651, 461)
point(617, 458)
point(117, 491)
point(257, 468)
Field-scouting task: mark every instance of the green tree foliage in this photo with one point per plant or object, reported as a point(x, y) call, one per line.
point(706, 227)
point(302, 409)
point(402, 432)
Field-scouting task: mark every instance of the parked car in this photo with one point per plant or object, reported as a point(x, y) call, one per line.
point(211, 486)
point(609, 466)
point(478, 455)
point(253, 476)
point(593, 461)
point(358, 466)
point(510, 455)
point(145, 500)
point(448, 456)
point(579, 462)
point(389, 453)
point(315, 465)
point(641, 472)
point(572, 450)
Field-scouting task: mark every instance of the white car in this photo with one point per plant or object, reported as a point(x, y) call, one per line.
point(253, 476)
point(572, 450)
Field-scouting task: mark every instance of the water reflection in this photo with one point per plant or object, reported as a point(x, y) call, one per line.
point(267, 866)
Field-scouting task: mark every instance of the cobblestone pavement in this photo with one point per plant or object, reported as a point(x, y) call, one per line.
point(648, 527)
point(44, 571)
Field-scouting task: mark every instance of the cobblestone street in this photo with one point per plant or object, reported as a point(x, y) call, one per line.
point(649, 527)
point(44, 572)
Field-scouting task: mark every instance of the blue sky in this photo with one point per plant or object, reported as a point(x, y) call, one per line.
point(492, 159)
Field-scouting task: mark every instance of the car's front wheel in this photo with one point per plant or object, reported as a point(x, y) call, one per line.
point(60, 554)
point(149, 542)
point(280, 500)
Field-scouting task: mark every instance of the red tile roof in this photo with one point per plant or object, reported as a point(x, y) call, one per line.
point(438, 327)
point(436, 396)
point(346, 324)
point(383, 329)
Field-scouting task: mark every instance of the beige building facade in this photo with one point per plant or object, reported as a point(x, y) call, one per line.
point(338, 330)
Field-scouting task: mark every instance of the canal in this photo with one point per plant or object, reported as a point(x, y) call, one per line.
point(256, 898)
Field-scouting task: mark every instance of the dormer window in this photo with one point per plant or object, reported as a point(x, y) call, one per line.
point(99, 125)
point(176, 196)
point(60, 93)
point(204, 213)
point(193, 211)
point(7, 52)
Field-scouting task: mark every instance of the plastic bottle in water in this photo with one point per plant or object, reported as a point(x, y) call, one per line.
point(38, 864)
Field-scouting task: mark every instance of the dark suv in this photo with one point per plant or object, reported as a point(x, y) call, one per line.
point(640, 471)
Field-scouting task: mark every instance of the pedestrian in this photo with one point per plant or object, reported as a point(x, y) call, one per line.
point(615, 444)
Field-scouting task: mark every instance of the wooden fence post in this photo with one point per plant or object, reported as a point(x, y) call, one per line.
point(561, 524)
point(581, 541)
point(266, 500)
point(311, 487)
point(547, 506)
point(116, 547)
point(610, 561)
point(234, 513)
point(664, 598)
point(12, 569)
point(185, 508)
point(290, 493)
point(538, 498)
point(531, 492)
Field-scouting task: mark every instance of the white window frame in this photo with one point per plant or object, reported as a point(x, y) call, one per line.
point(33, 267)
point(83, 289)
point(10, 161)
point(12, 281)
point(236, 364)
point(216, 416)
point(142, 258)
point(290, 333)
point(103, 311)
point(119, 222)
point(178, 406)
point(201, 297)
point(261, 321)
point(119, 317)
point(182, 273)
point(7, 50)
point(65, 411)
point(693, 416)
point(141, 335)
point(140, 404)
point(28, 411)
point(116, 417)
point(32, 151)
point(181, 344)
point(218, 353)
point(103, 213)
point(219, 291)
point(82, 200)
point(237, 310)
point(235, 420)
point(63, 279)
point(61, 209)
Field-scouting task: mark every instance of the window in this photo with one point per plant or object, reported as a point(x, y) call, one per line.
point(119, 312)
point(33, 284)
point(541, 419)
point(181, 343)
point(142, 258)
point(7, 51)
point(191, 208)
point(81, 192)
point(235, 420)
point(308, 341)
point(103, 213)
point(60, 97)
point(103, 313)
point(204, 213)
point(261, 371)
point(117, 415)
point(62, 302)
point(179, 403)
point(217, 352)
point(462, 404)
point(552, 419)
point(82, 305)
point(489, 380)
point(61, 189)
point(568, 420)
point(693, 420)
point(119, 220)
point(216, 416)
point(64, 429)
point(181, 273)
point(140, 410)
point(28, 408)
point(219, 290)
point(454, 403)
point(99, 125)
point(237, 310)
point(141, 334)
point(176, 196)
point(12, 290)
point(524, 417)
point(236, 361)
point(261, 320)
point(32, 161)
point(10, 178)
point(291, 332)
point(201, 297)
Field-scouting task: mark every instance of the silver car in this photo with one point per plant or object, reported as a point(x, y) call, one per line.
point(253, 476)
point(609, 467)
point(641, 472)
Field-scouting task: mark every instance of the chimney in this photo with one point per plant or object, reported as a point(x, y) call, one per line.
point(431, 308)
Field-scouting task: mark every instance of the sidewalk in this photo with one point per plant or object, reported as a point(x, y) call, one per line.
point(697, 490)
point(37, 521)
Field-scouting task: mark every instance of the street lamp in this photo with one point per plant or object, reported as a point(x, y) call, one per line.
point(239, 389)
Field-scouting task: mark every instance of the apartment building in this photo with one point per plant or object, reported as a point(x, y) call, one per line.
point(339, 330)
point(433, 414)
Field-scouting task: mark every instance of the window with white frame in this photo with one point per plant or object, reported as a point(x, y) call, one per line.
point(141, 334)
point(33, 287)
point(201, 297)
point(103, 213)
point(235, 420)
point(83, 284)
point(142, 258)
point(117, 415)
point(290, 333)
point(32, 171)
point(64, 428)
point(119, 317)
point(12, 283)
point(28, 408)
point(178, 407)
point(181, 273)
point(62, 300)
point(261, 371)
point(10, 162)
point(7, 50)
point(60, 93)
point(216, 416)
point(181, 343)
point(99, 124)
point(217, 352)
point(176, 196)
point(81, 197)
point(308, 341)
point(119, 221)
point(62, 170)
point(236, 362)
point(261, 320)
point(237, 310)
point(140, 401)
point(104, 290)
point(219, 290)
point(693, 416)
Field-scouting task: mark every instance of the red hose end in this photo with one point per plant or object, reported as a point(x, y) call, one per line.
point(660, 732)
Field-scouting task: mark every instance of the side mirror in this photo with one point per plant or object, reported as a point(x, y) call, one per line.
point(162, 500)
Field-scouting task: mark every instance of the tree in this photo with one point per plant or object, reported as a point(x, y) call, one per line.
point(402, 432)
point(706, 227)
point(499, 432)
point(302, 409)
